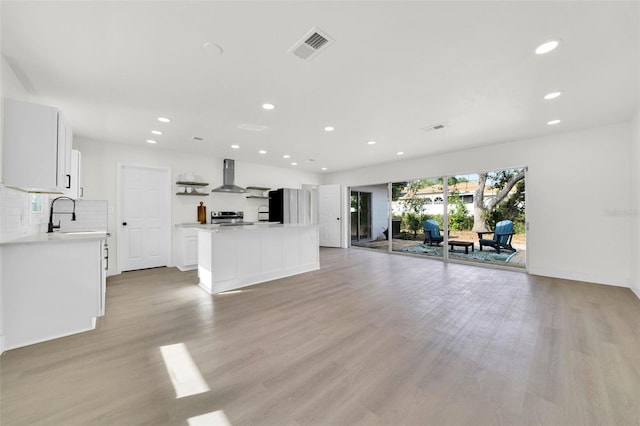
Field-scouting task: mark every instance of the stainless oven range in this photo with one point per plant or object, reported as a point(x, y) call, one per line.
point(229, 218)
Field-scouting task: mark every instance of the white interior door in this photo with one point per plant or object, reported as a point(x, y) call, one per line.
point(143, 237)
point(329, 212)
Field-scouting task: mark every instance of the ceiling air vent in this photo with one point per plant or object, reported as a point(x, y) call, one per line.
point(313, 42)
point(433, 127)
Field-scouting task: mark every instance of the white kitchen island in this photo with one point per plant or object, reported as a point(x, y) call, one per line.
point(230, 257)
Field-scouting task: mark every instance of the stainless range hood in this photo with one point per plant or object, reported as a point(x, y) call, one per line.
point(228, 176)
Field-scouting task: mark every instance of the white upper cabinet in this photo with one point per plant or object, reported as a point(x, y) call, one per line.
point(37, 148)
point(75, 173)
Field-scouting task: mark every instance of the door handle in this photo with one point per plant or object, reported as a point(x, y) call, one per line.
point(124, 223)
point(68, 181)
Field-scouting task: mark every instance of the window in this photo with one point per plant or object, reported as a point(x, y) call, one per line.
point(37, 203)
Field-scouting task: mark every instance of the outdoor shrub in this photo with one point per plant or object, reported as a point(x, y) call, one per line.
point(459, 218)
point(413, 222)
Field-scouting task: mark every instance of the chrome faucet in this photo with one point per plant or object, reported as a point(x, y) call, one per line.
point(51, 212)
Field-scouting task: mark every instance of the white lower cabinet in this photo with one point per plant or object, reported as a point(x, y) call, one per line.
point(104, 248)
point(51, 289)
point(188, 248)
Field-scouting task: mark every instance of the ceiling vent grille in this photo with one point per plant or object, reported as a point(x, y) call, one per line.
point(314, 42)
point(437, 126)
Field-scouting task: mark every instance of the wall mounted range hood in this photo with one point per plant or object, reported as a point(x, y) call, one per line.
point(228, 176)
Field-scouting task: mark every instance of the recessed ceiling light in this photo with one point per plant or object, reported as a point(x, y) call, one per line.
point(235, 146)
point(286, 156)
point(371, 142)
point(324, 168)
point(151, 141)
point(547, 47)
point(552, 95)
point(329, 129)
point(553, 122)
point(156, 132)
point(294, 164)
point(262, 151)
point(400, 153)
point(268, 106)
point(164, 120)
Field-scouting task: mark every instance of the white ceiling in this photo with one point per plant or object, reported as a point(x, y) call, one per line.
point(395, 67)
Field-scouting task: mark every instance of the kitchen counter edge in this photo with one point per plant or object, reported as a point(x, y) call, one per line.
point(254, 227)
point(56, 237)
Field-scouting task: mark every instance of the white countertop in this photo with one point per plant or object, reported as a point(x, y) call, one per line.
point(256, 226)
point(58, 237)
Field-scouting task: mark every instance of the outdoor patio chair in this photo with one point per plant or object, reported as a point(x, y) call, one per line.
point(432, 235)
point(502, 236)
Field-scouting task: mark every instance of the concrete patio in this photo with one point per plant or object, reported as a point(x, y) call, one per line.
point(518, 260)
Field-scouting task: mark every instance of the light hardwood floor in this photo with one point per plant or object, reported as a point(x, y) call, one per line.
point(369, 339)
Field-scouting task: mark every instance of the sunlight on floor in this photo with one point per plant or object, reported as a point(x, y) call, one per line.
point(184, 373)
point(231, 292)
point(215, 418)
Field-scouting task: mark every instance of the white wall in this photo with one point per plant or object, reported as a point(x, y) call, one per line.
point(565, 171)
point(379, 208)
point(635, 204)
point(99, 165)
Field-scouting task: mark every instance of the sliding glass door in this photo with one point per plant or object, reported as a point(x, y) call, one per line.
point(369, 206)
point(417, 208)
point(360, 216)
point(476, 217)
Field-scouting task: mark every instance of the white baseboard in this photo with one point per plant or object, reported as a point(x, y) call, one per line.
point(636, 291)
point(570, 275)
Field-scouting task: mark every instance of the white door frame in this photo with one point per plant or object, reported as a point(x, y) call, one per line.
point(167, 238)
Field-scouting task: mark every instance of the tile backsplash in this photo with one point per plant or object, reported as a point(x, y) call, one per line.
point(15, 215)
point(91, 215)
point(17, 220)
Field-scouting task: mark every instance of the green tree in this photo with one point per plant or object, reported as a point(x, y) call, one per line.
point(413, 222)
point(397, 189)
point(504, 181)
point(512, 208)
point(459, 218)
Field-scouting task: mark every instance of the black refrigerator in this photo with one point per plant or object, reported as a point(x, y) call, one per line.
point(287, 205)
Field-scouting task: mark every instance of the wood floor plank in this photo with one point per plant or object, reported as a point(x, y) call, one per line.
point(369, 339)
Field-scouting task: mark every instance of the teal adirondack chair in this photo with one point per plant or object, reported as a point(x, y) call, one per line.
point(502, 236)
point(432, 234)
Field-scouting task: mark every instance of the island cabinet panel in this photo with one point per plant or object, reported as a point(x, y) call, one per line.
point(225, 257)
point(291, 247)
point(230, 258)
point(309, 244)
point(271, 252)
point(249, 249)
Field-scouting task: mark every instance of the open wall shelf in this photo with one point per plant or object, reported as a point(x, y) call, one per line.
point(192, 186)
point(258, 192)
